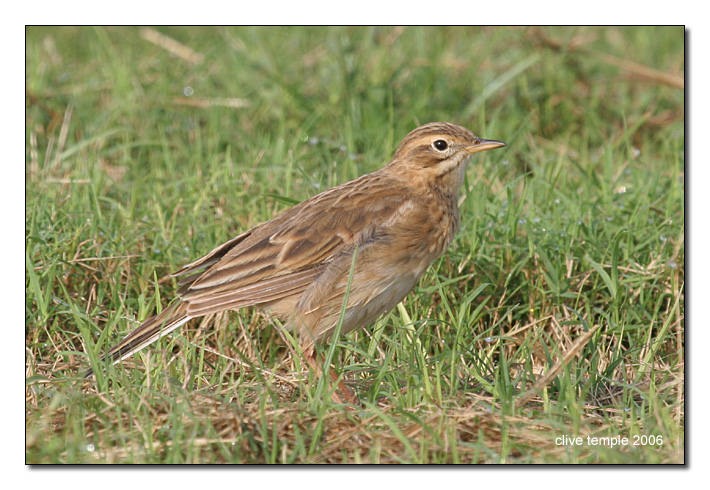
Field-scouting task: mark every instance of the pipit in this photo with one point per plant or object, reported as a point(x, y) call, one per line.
point(299, 265)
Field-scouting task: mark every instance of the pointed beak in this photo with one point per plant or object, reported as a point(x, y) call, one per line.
point(483, 145)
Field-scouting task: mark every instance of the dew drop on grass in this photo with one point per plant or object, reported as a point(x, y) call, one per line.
point(488, 339)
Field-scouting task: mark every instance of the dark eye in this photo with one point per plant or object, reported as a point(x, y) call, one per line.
point(440, 145)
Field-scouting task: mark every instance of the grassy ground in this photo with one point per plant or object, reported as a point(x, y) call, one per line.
point(558, 311)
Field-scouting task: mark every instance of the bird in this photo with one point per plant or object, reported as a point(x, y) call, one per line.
point(370, 240)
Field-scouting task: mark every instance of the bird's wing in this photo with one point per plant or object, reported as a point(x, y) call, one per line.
point(284, 256)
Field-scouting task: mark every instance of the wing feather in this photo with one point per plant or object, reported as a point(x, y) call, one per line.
point(283, 256)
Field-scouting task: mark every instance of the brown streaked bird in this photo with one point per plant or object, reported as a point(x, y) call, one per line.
point(296, 266)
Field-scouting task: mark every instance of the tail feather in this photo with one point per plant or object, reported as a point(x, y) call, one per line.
point(151, 330)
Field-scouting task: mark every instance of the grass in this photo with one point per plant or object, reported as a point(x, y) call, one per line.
point(140, 160)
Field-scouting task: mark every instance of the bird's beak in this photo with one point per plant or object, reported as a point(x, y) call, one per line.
point(483, 145)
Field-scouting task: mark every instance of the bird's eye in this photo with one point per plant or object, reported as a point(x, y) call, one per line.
point(440, 145)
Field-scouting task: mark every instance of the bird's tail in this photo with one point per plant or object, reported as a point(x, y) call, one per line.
point(151, 330)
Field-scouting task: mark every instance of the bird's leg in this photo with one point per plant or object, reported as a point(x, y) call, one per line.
point(342, 394)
